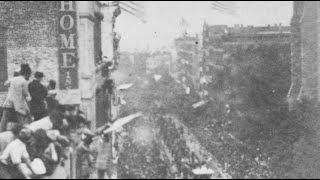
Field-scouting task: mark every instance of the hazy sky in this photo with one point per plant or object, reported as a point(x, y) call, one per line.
point(163, 19)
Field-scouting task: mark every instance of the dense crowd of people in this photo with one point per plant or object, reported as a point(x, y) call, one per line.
point(167, 96)
point(37, 133)
point(185, 161)
point(142, 158)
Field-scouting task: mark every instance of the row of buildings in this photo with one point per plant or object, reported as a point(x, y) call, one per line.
point(140, 64)
point(206, 62)
point(217, 42)
point(299, 39)
point(221, 43)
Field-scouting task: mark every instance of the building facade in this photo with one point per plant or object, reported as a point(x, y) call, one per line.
point(131, 66)
point(305, 81)
point(72, 42)
point(220, 42)
point(187, 62)
point(158, 61)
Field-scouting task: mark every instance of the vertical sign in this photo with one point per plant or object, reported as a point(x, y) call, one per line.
point(68, 43)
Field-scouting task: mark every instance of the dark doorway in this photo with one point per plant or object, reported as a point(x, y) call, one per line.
point(102, 107)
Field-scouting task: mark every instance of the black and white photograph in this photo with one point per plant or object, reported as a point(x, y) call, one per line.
point(159, 89)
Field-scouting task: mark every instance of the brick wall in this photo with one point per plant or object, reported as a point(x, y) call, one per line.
point(31, 35)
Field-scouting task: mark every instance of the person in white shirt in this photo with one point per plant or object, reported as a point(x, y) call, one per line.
point(8, 136)
point(17, 99)
point(16, 153)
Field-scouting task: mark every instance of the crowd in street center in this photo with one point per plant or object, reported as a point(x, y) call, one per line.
point(185, 161)
point(37, 133)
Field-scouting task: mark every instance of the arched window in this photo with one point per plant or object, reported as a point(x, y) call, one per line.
point(3, 58)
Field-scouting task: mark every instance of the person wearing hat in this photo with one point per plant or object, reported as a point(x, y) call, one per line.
point(16, 103)
point(38, 94)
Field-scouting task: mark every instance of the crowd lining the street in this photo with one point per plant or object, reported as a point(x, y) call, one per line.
point(185, 161)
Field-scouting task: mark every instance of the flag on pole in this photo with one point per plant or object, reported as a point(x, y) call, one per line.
point(184, 23)
point(135, 8)
point(226, 7)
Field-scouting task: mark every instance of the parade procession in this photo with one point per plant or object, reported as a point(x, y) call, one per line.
point(159, 90)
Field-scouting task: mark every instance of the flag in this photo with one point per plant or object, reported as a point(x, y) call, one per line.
point(199, 104)
point(183, 23)
point(226, 7)
point(135, 8)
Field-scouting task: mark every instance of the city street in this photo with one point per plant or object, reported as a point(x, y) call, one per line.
point(159, 90)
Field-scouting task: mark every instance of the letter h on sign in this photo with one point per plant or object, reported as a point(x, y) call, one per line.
point(67, 6)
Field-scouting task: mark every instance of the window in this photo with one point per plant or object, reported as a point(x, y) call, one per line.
point(3, 58)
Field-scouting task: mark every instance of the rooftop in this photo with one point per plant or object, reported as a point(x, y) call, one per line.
point(247, 30)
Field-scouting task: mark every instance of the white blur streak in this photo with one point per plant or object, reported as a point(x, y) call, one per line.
point(124, 86)
point(122, 121)
point(199, 104)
